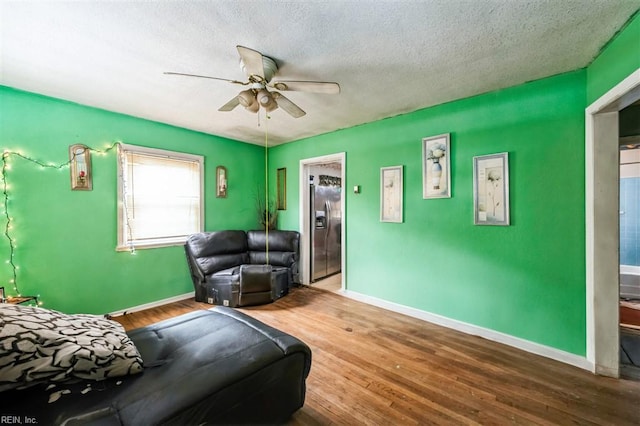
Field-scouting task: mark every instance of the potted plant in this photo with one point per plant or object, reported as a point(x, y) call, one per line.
point(266, 212)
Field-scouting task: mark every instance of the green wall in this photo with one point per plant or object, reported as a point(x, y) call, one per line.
point(66, 239)
point(527, 279)
point(619, 58)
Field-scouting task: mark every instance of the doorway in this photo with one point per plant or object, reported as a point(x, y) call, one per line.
point(630, 241)
point(332, 168)
point(602, 225)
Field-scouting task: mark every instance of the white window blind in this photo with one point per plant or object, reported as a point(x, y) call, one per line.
point(160, 197)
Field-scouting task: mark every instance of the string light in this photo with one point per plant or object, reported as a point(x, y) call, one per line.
point(9, 219)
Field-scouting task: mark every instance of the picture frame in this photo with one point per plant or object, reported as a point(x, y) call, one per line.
point(221, 182)
point(80, 168)
point(391, 194)
point(436, 166)
point(281, 189)
point(491, 189)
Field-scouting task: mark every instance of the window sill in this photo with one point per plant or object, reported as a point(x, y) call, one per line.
point(153, 244)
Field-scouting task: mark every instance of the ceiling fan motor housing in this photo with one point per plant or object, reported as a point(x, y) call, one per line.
point(269, 66)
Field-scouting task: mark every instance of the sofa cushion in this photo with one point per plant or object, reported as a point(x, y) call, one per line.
point(214, 264)
point(215, 251)
point(234, 270)
point(286, 241)
point(206, 244)
point(39, 345)
point(276, 258)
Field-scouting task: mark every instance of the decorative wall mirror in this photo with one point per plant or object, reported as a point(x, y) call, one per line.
point(80, 166)
point(281, 183)
point(221, 182)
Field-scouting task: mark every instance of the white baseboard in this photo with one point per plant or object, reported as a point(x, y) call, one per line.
point(516, 342)
point(152, 304)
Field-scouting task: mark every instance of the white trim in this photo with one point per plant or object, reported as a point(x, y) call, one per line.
point(163, 153)
point(152, 304)
point(619, 97)
point(518, 343)
point(629, 270)
point(304, 220)
point(601, 136)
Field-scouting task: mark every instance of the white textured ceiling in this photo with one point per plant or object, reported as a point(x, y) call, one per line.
point(390, 57)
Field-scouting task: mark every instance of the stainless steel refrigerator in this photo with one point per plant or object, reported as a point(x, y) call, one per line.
point(326, 227)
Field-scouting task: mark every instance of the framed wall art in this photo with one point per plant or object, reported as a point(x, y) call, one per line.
point(281, 189)
point(80, 166)
point(391, 194)
point(491, 189)
point(436, 167)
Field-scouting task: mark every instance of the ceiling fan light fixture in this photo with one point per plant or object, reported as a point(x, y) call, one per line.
point(254, 107)
point(264, 98)
point(272, 106)
point(247, 99)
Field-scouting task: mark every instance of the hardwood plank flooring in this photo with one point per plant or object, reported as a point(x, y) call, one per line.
point(375, 367)
point(630, 314)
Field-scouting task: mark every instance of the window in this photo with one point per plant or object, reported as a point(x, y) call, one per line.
point(160, 197)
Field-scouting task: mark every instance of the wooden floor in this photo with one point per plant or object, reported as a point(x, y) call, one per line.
point(630, 314)
point(375, 367)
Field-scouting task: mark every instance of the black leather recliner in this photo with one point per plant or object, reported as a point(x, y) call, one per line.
point(237, 268)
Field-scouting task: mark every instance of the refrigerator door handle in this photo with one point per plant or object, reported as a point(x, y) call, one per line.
point(327, 215)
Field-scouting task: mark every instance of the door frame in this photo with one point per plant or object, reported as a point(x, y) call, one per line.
point(602, 186)
point(305, 213)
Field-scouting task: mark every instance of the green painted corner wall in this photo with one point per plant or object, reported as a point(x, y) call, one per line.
point(619, 58)
point(525, 280)
point(66, 239)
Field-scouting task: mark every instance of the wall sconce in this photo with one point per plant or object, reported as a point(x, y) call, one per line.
point(80, 166)
point(221, 182)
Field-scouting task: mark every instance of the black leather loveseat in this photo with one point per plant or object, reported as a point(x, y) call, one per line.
point(216, 366)
point(238, 268)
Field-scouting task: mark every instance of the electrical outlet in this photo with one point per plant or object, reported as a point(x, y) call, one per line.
point(225, 302)
point(210, 300)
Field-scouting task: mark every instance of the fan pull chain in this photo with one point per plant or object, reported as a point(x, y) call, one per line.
point(266, 184)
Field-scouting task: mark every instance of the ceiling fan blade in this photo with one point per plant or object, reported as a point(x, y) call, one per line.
point(326, 87)
point(206, 76)
point(252, 60)
point(292, 109)
point(229, 106)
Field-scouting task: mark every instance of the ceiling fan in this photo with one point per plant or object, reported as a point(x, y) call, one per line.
point(260, 70)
